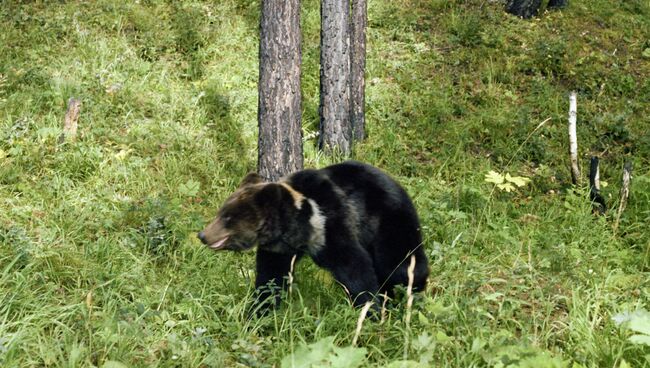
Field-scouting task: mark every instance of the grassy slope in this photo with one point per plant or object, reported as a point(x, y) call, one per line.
point(97, 256)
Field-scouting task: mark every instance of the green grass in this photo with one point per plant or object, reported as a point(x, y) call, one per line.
point(99, 265)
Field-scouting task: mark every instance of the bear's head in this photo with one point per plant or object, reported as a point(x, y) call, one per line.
point(253, 214)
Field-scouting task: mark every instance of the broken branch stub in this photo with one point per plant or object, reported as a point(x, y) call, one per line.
point(625, 192)
point(573, 138)
point(71, 120)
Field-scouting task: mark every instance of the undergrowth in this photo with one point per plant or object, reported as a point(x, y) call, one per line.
point(99, 265)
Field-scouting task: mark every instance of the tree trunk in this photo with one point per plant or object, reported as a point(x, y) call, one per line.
point(335, 127)
point(524, 8)
point(279, 114)
point(358, 25)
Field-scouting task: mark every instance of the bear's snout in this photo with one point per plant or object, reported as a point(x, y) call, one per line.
point(201, 237)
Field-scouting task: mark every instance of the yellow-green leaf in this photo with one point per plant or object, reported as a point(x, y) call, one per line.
point(519, 181)
point(494, 177)
point(508, 187)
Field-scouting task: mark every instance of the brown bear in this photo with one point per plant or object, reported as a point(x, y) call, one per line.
point(350, 218)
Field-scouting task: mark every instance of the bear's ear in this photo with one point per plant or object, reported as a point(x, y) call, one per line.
point(270, 195)
point(250, 179)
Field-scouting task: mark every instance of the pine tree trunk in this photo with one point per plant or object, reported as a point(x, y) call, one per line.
point(524, 8)
point(279, 114)
point(358, 24)
point(335, 127)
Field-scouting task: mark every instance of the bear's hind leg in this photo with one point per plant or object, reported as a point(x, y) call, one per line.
point(396, 242)
point(353, 268)
point(399, 275)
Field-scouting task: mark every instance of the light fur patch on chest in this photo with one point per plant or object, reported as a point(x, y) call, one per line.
point(298, 198)
point(317, 222)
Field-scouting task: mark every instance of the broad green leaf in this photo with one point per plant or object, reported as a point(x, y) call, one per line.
point(405, 364)
point(324, 353)
point(477, 345)
point(48, 132)
point(422, 318)
point(640, 339)
point(458, 215)
point(190, 188)
point(542, 360)
point(493, 296)
point(646, 53)
point(310, 355)
point(640, 322)
point(442, 337)
point(437, 308)
point(423, 340)
point(494, 177)
point(348, 357)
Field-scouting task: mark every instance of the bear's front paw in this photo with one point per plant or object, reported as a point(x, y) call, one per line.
point(267, 299)
point(261, 309)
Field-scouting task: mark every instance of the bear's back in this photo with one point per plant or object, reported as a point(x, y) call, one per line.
point(368, 188)
point(371, 185)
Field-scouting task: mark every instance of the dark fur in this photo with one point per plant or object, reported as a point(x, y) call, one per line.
point(370, 228)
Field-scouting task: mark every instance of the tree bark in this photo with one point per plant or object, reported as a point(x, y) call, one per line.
point(334, 109)
point(523, 8)
point(358, 24)
point(279, 112)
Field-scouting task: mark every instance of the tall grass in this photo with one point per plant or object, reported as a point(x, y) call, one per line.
point(99, 265)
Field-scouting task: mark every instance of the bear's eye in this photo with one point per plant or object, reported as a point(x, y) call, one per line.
point(226, 219)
